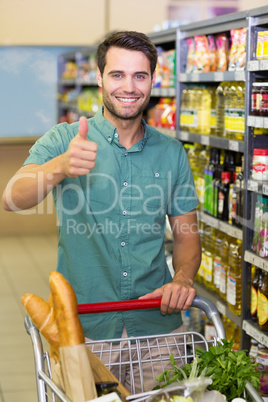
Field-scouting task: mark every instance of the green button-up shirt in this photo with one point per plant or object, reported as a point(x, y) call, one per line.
point(112, 222)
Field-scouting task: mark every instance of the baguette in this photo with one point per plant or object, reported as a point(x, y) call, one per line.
point(43, 317)
point(66, 313)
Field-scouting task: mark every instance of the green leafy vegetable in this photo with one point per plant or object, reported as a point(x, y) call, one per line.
point(228, 369)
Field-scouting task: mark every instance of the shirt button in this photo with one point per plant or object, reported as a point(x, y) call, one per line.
point(109, 139)
point(125, 273)
point(126, 153)
point(123, 244)
point(124, 212)
point(116, 135)
point(156, 174)
point(125, 183)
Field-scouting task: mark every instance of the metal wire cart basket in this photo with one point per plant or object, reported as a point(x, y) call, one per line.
point(129, 358)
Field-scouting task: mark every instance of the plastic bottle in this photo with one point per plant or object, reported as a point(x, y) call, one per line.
point(262, 250)
point(223, 196)
point(254, 295)
point(236, 338)
point(203, 101)
point(224, 253)
point(200, 273)
point(257, 223)
point(253, 350)
point(209, 257)
point(209, 174)
point(239, 197)
point(213, 111)
point(215, 185)
point(192, 119)
point(234, 277)
point(220, 109)
point(203, 162)
point(184, 107)
point(239, 112)
point(217, 260)
point(263, 304)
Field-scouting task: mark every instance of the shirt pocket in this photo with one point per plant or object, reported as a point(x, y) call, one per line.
point(155, 186)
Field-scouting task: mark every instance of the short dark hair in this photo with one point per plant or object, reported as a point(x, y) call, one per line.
point(129, 40)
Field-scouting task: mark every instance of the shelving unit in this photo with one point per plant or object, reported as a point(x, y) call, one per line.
point(253, 20)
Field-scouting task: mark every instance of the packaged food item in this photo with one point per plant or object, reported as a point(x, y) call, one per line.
point(202, 59)
point(265, 46)
point(260, 164)
point(241, 50)
point(264, 99)
point(212, 52)
point(222, 48)
point(190, 66)
point(260, 45)
point(234, 277)
point(256, 98)
point(263, 303)
point(233, 55)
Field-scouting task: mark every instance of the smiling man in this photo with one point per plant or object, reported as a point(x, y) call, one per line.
point(114, 180)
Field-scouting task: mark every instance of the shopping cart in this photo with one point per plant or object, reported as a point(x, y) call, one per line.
point(131, 356)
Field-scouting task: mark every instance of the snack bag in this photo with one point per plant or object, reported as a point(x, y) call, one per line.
point(222, 52)
point(241, 50)
point(190, 66)
point(212, 52)
point(235, 34)
point(202, 60)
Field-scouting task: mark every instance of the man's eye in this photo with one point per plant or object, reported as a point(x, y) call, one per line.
point(116, 75)
point(140, 76)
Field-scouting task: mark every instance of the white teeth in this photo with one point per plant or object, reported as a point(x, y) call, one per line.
point(127, 99)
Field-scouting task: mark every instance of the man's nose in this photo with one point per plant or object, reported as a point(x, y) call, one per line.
point(128, 84)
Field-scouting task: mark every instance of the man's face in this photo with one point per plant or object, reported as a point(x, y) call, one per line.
point(126, 83)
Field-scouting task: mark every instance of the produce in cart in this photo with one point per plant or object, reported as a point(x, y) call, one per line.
point(229, 370)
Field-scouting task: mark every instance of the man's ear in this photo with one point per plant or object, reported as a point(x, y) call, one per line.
point(99, 78)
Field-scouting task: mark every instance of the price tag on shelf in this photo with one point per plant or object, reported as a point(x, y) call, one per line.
point(240, 76)
point(251, 121)
point(265, 189)
point(253, 65)
point(263, 64)
point(265, 122)
point(195, 77)
point(253, 185)
point(233, 145)
point(184, 136)
point(183, 77)
point(259, 122)
point(204, 140)
point(218, 76)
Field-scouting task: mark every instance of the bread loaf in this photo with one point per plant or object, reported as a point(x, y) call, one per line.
point(42, 315)
point(65, 305)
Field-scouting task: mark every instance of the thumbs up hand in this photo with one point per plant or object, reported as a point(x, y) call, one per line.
point(80, 157)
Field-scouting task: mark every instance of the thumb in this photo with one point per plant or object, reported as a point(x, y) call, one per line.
point(83, 128)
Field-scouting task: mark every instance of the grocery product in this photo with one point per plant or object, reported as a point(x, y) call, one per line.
point(263, 303)
point(222, 48)
point(203, 102)
point(264, 99)
point(260, 164)
point(254, 294)
point(202, 59)
point(220, 109)
point(224, 253)
point(223, 196)
point(208, 258)
point(234, 277)
point(256, 98)
point(217, 260)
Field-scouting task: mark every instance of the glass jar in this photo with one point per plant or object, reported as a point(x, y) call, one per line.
point(256, 98)
point(264, 99)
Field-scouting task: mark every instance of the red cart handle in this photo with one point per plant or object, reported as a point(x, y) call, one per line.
point(118, 306)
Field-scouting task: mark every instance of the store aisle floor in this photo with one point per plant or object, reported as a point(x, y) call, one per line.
point(25, 263)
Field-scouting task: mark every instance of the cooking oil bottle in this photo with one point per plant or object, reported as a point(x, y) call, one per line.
point(239, 125)
point(217, 260)
point(234, 277)
point(224, 254)
point(209, 257)
point(192, 119)
point(200, 274)
point(202, 163)
point(203, 101)
point(220, 109)
point(184, 109)
point(213, 111)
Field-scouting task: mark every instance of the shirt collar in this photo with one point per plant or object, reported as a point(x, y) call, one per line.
point(110, 133)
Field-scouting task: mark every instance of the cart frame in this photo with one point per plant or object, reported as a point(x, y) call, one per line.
point(187, 340)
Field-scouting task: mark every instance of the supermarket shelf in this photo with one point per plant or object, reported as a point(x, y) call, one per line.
point(165, 92)
point(257, 65)
point(220, 304)
point(257, 121)
point(254, 259)
point(257, 187)
point(209, 140)
point(213, 77)
point(83, 82)
point(253, 331)
point(67, 81)
point(220, 225)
